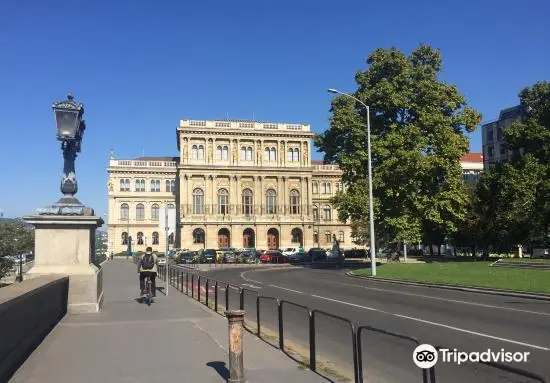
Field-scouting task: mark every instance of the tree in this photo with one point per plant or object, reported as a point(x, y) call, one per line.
point(514, 198)
point(417, 125)
point(15, 239)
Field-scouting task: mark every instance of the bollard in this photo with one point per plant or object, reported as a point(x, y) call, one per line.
point(235, 320)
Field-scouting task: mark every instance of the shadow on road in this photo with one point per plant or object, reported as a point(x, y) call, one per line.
point(220, 369)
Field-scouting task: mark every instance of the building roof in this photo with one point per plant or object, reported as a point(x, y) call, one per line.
point(472, 157)
point(158, 159)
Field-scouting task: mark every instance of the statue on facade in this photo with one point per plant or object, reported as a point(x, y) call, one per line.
point(110, 185)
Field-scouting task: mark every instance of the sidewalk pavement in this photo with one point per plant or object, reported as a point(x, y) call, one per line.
point(175, 339)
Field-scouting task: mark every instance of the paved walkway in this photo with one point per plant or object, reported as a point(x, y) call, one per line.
point(176, 339)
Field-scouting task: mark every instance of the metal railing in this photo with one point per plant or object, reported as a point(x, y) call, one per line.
point(193, 280)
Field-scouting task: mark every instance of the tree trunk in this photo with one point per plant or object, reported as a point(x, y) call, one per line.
point(439, 250)
point(431, 250)
point(474, 251)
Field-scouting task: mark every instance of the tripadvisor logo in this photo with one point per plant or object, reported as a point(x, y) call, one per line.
point(426, 356)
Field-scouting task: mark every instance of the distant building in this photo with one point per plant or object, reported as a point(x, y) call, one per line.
point(493, 150)
point(472, 166)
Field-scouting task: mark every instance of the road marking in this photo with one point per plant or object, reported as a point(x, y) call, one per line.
point(251, 286)
point(285, 288)
point(440, 299)
point(248, 279)
point(458, 329)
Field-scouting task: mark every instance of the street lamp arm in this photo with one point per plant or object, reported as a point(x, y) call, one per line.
point(350, 96)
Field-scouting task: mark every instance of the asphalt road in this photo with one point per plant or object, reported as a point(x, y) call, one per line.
point(451, 319)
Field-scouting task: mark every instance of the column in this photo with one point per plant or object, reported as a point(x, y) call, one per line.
point(303, 200)
point(214, 193)
point(285, 192)
point(261, 195)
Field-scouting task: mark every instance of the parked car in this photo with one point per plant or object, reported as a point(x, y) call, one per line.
point(229, 256)
point(299, 258)
point(208, 255)
point(316, 254)
point(290, 251)
point(186, 257)
point(161, 259)
point(249, 257)
point(273, 256)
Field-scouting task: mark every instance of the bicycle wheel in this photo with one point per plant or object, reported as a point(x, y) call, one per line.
point(149, 294)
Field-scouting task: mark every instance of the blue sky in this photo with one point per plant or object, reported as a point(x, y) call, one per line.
point(140, 66)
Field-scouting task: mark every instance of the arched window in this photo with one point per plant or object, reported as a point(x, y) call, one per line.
point(155, 238)
point(140, 212)
point(201, 152)
point(155, 185)
point(171, 239)
point(198, 236)
point(266, 155)
point(273, 155)
point(315, 237)
point(296, 236)
point(290, 153)
point(124, 211)
point(219, 153)
point(249, 154)
point(170, 206)
point(315, 213)
point(225, 153)
point(327, 188)
point(328, 213)
point(124, 238)
point(122, 185)
point(140, 238)
point(341, 236)
point(315, 188)
point(195, 152)
point(247, 202)
point(155, 212)
point(198, 201)
point(271, 202)
point(328, 237)
point(294, 202)
point(223, 199)
point(243, 153)
point(296, 155)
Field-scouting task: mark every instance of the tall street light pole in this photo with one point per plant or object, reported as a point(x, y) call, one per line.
point(371, 214)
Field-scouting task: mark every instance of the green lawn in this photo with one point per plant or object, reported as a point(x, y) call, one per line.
point(527, 260)
point(472, 274)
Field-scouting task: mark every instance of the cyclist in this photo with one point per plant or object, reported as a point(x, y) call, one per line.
point(147, 267)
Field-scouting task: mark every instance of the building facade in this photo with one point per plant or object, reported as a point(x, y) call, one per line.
point(491, 135)
point(236, 183)
point(472, 166)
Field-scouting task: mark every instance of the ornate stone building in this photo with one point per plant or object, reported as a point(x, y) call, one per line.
point(236, 183)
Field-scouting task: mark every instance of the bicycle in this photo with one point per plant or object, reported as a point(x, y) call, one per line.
point(148, 292)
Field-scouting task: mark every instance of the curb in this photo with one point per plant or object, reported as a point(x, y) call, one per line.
point(508, 293)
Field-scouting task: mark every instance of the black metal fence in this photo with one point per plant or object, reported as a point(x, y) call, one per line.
point(191, 282)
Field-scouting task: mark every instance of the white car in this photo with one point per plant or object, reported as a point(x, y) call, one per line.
point(161, 260)
point(289, 251)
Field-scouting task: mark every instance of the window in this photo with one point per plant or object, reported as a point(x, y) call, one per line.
point(489, 135)
point(140, 238)
point(315, 213)
point(201, 152)
point(140, 212)
point(249, 154)
point(294, 202)
point(124, 211)
point(225, 153)
point(243, 153)
point(194, 152)
point(328, 213)
point(266, 155)
point(315, 188)
point(327, 188)
point(219, 153)
point(339, 186)
point(296, 235)
point(155, 185)
point(315, 237)
point(171, 239)
point(328, 237)
point(155, 238)
point(124, 185)
point(170, 186)
point(140, 185)
point(296, 155)
point(290, 154)
point(155, 212)
point(247, 201)
point(198, 201)
point(198, 236)
point(499, 134)
point(124, 238)
point(223, 199)
point(341, 236)
point(272, 155)
point(271, 202)
point(491, 151)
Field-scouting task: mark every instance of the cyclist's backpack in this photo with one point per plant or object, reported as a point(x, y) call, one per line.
point(148, 262)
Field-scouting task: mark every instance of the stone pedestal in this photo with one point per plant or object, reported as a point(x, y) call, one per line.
point(64, 245)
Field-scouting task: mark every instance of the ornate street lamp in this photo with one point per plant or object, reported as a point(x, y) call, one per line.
point(70, 130)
